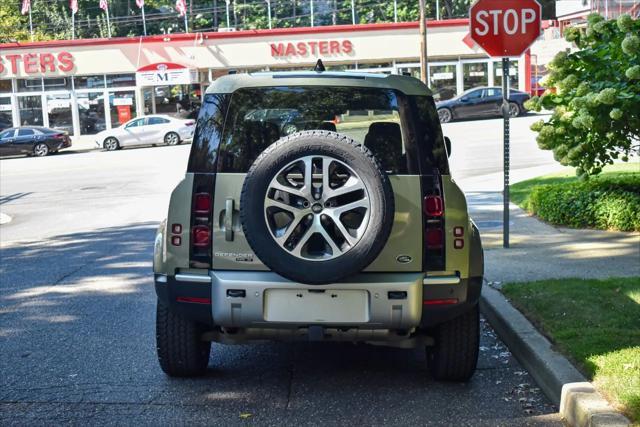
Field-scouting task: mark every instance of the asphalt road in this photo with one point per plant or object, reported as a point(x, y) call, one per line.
point(77, 314)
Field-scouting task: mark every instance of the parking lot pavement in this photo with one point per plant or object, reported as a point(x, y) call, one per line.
point(77, 328)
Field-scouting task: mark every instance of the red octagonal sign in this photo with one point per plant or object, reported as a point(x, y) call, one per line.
point(505, 27)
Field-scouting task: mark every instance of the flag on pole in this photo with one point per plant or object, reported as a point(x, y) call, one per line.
point(181, 7)
point(104, 5)
point(140, 3)
point(26, 6)
point(73, 5)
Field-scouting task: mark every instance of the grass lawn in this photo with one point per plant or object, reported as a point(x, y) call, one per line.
point(519, 193)
point(594, 322)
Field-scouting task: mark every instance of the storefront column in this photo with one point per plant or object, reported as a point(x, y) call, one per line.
point(492, 73)
point(107, 108)
point(75, 117)
point(45, 110)
point(140, 102)
point(459, 77)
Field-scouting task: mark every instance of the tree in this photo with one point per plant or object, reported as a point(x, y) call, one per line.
point(595, 96)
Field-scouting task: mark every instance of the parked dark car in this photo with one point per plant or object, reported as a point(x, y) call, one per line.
point(481, 102)
point(32, 141)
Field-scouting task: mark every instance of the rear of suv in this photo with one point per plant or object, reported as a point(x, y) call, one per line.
point(318, 206)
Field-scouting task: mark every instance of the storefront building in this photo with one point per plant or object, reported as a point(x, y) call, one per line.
point(85, 86)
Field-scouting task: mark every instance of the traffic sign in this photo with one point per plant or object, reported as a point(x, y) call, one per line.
point(505, 27)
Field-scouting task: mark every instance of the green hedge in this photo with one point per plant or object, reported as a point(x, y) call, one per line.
point(609, 203)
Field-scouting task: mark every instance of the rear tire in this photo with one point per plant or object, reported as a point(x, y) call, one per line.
point(41, 150)
point(514, 109)
point(455, 354)
point(445, 115)
point(181, 351)
point(172, 138)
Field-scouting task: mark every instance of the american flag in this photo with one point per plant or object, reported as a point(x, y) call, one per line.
point(73, 5)
point(26, 6)
point(140, 3)
point(181, 7)
point(104, 5)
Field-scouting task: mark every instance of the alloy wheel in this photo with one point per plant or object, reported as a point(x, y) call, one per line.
point(317, 208)
point(41, 150)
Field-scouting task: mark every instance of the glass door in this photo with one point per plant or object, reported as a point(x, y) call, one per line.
point(30, 109)
point(6, 119)
point(443, 81)
point(91, 112)
point(59, 112)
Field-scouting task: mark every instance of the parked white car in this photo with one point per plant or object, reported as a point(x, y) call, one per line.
point(155, 129)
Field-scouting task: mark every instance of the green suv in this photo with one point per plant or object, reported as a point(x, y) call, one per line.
point(318, 206)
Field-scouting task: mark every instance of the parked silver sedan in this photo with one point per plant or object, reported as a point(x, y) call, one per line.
point(155, 129)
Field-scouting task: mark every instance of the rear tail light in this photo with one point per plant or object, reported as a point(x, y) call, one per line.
point(201, 221)
point(60, 136)
point(433, 206)
point(446, 301)
point(433, 223)
point(189, 123)
point(201, 236)
point(202, 204)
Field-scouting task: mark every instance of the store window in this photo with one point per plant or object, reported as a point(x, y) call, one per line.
point(6, 121)
point(59, 111)
point(91, 112)
point(30, 85)
point(89, 82)
point(475, 74)
point(180, 100)
point(122, 107)
point(513, 74)
point(121, 80)
point(30, 110)
point(443, 81)
point(5, 86)
point(57, 83)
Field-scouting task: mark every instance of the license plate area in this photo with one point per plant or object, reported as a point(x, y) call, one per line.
point(316, 306)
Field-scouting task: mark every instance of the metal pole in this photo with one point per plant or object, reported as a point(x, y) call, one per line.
point(108, 22)
point(186, 25)
point(423, 43)
point(353, 12)
point(437, 10)
point(228, 21)
point(269, 11)
point(505, 115)
point(144, 22)
point(395, 10)
point(311, 13)
point(30, 23)
point(73, 26)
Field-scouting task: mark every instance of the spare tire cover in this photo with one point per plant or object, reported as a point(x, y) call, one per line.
point(316, 207)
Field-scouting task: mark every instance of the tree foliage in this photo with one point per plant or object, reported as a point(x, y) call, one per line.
point(595, 96)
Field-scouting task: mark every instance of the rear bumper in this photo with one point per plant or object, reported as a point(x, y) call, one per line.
point(237, 300)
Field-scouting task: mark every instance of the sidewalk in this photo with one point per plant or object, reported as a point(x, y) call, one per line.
point(540, 251)
point(83, 143)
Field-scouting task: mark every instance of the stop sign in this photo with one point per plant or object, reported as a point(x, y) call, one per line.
point(505, 27)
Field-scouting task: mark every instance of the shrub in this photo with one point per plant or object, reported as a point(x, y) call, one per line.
point(609, 203)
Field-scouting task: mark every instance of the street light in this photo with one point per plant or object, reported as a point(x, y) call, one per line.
point(311, 4)
point(269, 11)
point(228, 22)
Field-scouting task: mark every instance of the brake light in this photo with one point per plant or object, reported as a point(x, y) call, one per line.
point(446, 301)
point(434, 238)
point(189, 123)
point(60, 136)
point(433, 206)
point(201, 236)
point(202, 204)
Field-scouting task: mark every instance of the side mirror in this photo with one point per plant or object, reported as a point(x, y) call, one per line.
point(447, 145)
point(464, 99)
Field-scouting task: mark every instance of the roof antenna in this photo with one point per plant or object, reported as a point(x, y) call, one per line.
point(319, 66)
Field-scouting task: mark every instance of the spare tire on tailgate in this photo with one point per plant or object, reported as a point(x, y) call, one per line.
point(316, 207)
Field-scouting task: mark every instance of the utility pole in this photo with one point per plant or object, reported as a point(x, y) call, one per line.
point(269, 11)
point(423, 43)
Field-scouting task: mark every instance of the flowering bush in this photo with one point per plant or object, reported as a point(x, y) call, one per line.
point(596, 101)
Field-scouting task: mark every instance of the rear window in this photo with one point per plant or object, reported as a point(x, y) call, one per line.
point(402, 131)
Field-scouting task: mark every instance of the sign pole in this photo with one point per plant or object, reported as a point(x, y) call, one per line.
point(505, 126)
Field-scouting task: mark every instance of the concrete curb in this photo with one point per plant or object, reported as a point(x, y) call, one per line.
point(580, 404)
